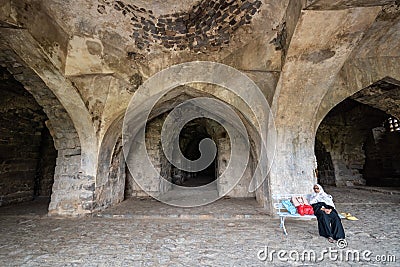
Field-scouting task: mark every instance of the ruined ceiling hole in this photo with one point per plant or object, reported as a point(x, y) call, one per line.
point(394, 125)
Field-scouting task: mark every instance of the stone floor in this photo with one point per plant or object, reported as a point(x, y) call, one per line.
point(230, 232)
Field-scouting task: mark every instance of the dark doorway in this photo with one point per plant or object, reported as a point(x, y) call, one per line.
point(382, 162)
point(27, 153)
point(189, 139)
point(358, 144)
point(326, 171)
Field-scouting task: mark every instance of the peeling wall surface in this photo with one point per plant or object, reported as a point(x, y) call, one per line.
point(82, 61)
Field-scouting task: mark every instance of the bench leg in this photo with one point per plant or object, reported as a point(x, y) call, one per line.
point(282, 225)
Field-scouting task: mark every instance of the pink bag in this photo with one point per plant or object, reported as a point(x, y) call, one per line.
point(299, 200)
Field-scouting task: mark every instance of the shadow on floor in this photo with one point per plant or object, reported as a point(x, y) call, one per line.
point(37, 207)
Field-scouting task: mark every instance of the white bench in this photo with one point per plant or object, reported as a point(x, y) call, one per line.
point(283, 213)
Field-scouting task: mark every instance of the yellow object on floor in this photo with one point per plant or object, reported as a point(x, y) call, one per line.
point(348, 216)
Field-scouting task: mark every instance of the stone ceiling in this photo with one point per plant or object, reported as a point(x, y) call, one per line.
point(383, 95)
point(127, 36)
point(121, 36)
point(107, 48)
point(306, 56)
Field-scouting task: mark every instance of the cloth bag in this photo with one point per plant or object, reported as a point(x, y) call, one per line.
point(299, 200)
point(289, 206)
point(305, 210)
point(302, 205)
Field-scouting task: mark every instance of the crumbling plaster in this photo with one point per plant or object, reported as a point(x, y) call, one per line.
point(315, 56)
point(306, 56)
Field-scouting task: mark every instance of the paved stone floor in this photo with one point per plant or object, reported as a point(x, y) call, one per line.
point(226, 233)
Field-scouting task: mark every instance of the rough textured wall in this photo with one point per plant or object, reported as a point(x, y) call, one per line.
point(165, 169)
point(46, 165)
point(27, 154)
point(71, 189)
point(325, 169)
point(382, 163)
point(153, 146)
point(343, 133)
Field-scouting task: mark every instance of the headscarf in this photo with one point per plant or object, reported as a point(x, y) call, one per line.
point(321, 196)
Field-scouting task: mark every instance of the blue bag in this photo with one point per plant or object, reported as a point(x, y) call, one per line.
point(289, 206)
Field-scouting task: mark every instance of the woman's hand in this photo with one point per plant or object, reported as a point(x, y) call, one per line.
point(326, 210)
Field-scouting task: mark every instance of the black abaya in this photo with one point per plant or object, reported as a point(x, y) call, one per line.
point(329, 225)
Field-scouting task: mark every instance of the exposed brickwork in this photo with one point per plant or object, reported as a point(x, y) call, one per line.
point(206, 26)
point(382, 163)
point(72, 191)
point(27, 154)
point(46, 165)
point(343, 133)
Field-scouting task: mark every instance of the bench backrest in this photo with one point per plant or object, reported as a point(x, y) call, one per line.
point(277, 200)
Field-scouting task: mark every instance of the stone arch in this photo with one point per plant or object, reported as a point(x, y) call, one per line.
point(376, 59)
point(344, 133)
point(110, 144)
point(367, 69)
point(378, 101)
point(72, 189)
point(342, 90)
point(311, 65)
point(109, 153)
point(28, 156)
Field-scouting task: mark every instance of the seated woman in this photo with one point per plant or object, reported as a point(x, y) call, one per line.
point(329, 223)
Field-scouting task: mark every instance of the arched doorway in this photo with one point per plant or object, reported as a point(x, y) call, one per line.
point(27, 152)
point(382, 157)
point(361, 135)
point(112, 191)
point(190, 137)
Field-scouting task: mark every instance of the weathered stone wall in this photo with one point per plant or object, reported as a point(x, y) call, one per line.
point(152, 182)
point(71, 189)
point(46, 166)
point(241, 189)
point(27, 154)
point(112, 190)
point(382, 163)
point(164, 168)
point(344, 132)
point(325, 169)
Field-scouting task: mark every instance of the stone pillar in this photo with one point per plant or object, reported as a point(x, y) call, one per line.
point(69, 122)
point(73, 192)
point(312, 62)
